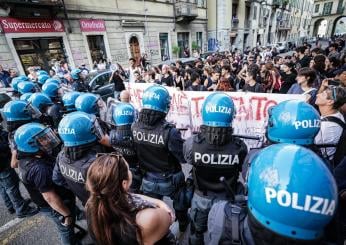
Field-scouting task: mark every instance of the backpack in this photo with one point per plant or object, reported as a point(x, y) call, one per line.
point(5, 151)
point(340, 152)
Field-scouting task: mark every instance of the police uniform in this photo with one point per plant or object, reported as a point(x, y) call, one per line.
point(55, 113)
point(159, 150)
point(36, 174)
point(210, 162)
point(122, 142)
point(72, 173)
point(80, 86)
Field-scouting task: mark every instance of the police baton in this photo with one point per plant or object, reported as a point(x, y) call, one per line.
point(248, 137)
point(227, 188)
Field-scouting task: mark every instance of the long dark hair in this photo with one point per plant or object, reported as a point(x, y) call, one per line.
point(110, 219)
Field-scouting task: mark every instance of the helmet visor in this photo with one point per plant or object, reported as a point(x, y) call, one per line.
point(47, 140)
point(110, 111)
point(33, 111)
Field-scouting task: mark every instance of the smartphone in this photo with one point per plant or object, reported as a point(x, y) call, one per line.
point(333, 83)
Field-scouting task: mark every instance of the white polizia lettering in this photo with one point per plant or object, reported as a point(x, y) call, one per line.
point(148, 137)
point(307, 124)
point(308, 203)
point(220, 159)
point(151, 95)
point(66, 131)
point(124, 113)
point(219, 109)
point(71, 174)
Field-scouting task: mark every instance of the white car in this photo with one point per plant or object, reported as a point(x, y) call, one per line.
point(280, 46)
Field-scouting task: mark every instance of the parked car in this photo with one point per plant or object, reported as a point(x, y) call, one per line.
point(99, 84)
point(281, 47)
point(185, 61)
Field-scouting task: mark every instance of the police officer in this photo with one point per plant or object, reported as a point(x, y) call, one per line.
point(121, 140)
point(34, 141)
point(42, 102)
point(286, 204)
point(14, 83)
point(78, 81)
point(26, 87)
point(159, 149)
point(25, 96)
point(291, 121)
point(214, 153)
point(69, 100)
point(80, 133)
point(93, 104)
point(41, 79)
point(54, 91)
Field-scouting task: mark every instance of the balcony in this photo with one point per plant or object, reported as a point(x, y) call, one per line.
point(284, 25)
point(32, 8)
point(185, 12)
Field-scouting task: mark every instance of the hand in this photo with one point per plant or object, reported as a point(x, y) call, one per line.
point(68, 221)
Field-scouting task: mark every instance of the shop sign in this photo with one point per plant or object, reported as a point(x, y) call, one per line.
point(14, 25)
point(89, 25)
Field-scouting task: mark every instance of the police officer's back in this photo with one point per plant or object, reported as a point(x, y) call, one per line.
point(54, 91)
point(286, 204)
point(79, 132)
point(214, 153)
point(159, 150)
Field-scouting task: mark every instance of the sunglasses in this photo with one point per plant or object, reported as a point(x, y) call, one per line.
point(333, 89)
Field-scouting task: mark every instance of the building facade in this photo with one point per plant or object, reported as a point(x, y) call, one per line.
point(240, 24)
point(88, 32)
point(327, 18)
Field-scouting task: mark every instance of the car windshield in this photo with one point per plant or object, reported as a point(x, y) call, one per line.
point(91, 76)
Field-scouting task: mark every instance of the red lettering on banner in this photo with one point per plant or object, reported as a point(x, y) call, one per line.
point(259, 106)
point(196, 101)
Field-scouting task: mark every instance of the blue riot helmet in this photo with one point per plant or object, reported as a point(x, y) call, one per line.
point(293, 121)
point(51, 89)
point(32, 137)
point(79, 128)
point(218, 110)
point(123, 114)
point(41, 72)
point(40, 101)
point(42, 79)
point(285, 193)
point(75, 73)
point(26, 96)
point(15, 81)
point(53, 80)
point(156, 98)
point(69, 100)
point(26, 87)
point(90, 103)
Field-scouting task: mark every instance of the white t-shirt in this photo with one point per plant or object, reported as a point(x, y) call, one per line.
point(329, 133)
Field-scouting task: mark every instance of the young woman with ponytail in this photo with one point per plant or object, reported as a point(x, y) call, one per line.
point(116, 216)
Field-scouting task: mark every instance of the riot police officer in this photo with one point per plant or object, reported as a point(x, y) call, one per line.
point(291, 121)
point(34, 141)
point(14, 83)
point(78, 81)
point(121, 140)
point(42, 102)
point(69, 100)
point(41, 79)
point(159, 149)
point(26, 87)
point(213, 152)
point(286, 204)
point(25, 96)
point(54, 91)
point(80, 133)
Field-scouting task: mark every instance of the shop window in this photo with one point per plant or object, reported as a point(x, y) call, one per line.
point(43, 52)
point(97, 49)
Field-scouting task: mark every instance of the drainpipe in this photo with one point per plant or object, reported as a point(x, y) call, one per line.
point(69, 29)
point(217, 22)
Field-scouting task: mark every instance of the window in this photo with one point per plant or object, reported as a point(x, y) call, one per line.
point(164, 47)
point(255, 12)
point(327, 8)
point(201, 3)
point(183, 44)
point(199, 40)
point(317, 8)
point(97, 48)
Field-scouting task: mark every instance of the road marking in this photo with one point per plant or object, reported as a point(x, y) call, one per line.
point(10, 224)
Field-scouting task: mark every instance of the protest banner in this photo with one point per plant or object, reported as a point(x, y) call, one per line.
point(185, 112)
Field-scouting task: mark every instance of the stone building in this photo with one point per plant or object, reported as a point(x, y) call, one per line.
point(43, 32)
point(327, 18)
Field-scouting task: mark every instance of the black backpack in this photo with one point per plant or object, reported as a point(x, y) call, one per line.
point(5, 152)
point(340, 152)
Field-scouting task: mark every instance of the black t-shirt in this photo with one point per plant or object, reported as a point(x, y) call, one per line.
point(40, 176)
point(288, 81)
point(167, 80)
point(118, 83)
point(257, 88)
point(304, 62)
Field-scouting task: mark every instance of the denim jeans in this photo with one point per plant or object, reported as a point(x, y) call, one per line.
point(66, 233)
point(9, 190)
